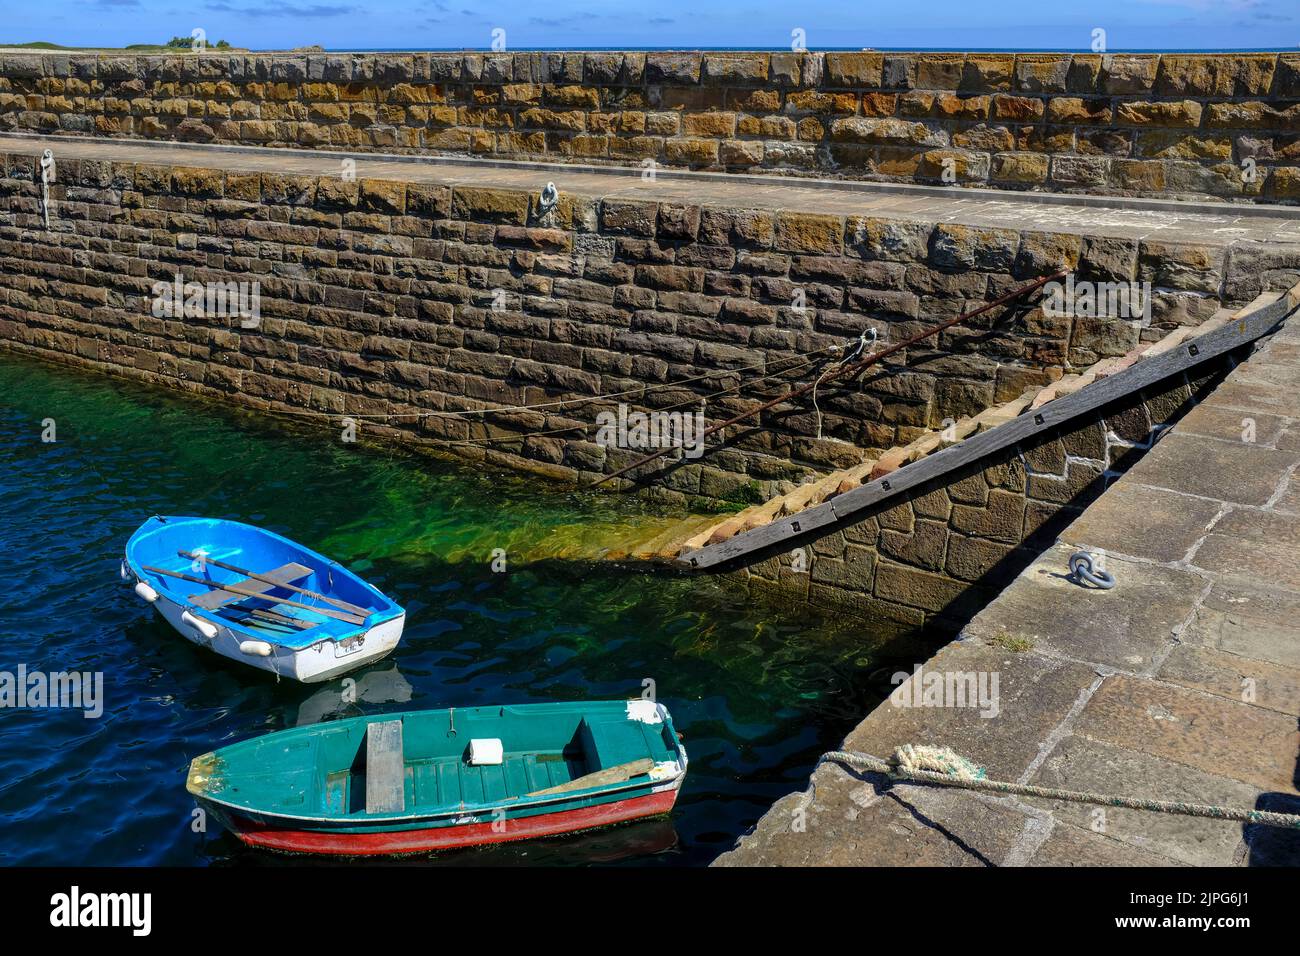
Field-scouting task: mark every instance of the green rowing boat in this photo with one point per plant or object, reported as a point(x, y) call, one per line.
point(429, 780)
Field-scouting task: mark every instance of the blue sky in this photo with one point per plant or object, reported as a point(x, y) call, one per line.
point(377, 24)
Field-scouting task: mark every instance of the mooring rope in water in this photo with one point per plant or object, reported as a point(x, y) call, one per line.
point(803, 358)
point(539, 433)
point(924, 763)
point(850, 369)
point(701, 400)
point(862, 344)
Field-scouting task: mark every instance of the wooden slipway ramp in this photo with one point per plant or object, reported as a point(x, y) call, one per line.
point(706, 543)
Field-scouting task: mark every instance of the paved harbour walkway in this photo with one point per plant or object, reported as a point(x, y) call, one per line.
point(1182, 683)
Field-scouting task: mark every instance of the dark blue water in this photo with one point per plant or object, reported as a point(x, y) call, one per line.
point(758, 693)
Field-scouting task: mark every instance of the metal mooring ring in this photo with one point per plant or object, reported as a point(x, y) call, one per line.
point(1084, 571)
point(549, 197)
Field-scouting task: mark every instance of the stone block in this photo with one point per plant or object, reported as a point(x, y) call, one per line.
point(916, 588)
point(854, 70)
point(1078, 763)
point(1190, 728)
point(1042, 72)
point(673, 68)
point(807, 232)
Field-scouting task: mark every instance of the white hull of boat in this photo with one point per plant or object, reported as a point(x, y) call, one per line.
point(319, 662)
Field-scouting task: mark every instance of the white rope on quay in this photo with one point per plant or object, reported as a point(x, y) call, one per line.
point(925, 763)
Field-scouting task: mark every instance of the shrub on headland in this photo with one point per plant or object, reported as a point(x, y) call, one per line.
point(184, 43)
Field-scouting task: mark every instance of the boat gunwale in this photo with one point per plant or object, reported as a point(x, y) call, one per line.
point(655, 786)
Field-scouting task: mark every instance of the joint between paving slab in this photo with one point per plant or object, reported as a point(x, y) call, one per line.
point(1059, 732)
point(1161, 654)
point(1233, 441)
point(1209, 530)
point(1280, 490)
point(1037, 829)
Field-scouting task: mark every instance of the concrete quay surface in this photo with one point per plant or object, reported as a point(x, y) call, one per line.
point(1182, 683)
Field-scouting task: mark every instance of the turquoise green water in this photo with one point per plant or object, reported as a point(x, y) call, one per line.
point(758, 693)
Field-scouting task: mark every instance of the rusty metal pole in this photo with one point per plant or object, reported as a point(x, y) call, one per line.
point(846, 370)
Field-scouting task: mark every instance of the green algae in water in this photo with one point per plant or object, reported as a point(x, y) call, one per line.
point(759, 693)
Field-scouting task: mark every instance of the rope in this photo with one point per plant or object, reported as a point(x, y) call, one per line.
point(48, 174)
point(942, 766)
point(802, 361)
point(858, 348)
point(853, 368)
point(520, 436)
point(918, 757)
point(564, 403)
point(746, 384)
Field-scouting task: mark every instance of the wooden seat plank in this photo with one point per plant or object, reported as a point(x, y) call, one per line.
point(385, 768)
point(286, 574)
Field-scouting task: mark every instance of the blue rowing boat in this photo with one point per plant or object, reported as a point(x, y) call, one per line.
point(254, 596)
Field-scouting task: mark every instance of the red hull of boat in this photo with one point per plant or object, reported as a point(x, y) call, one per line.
point(446, 838)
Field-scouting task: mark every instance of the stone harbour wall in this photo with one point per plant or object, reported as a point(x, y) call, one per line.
point(947, 550)
point(1225, 126)
point(406, 304)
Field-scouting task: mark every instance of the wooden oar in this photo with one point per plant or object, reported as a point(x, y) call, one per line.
point(601, 778)
point(260, 595)
point(283, 620)
point(341, 605)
